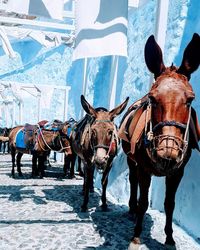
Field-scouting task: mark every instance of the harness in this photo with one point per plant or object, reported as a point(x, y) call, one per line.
point(62, 148)
point(114, 138)
point(151, 140)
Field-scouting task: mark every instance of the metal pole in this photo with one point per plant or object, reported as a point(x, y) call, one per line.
point(113, 81)
point(84, 88)
point(6, 114)
point(161, 22)
point(161, 26)
point(20, 113)
point(39, 107)
point(13, 116)
point(160, 35)
point(65, 113)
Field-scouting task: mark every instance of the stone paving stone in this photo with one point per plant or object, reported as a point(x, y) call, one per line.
point(44, 214)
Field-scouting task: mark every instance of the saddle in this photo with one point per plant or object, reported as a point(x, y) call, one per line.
point(81, 131)
point(25, 137)
point(134, 122)
point(71, 125)
point(54, 125)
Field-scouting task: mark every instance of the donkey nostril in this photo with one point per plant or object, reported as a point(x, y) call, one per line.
point(106, 157)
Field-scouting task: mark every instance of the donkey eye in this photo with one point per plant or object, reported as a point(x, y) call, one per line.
point(94, 133)
point(153, 100)
point(110, 133)
point(189, 101)
point(188, 104)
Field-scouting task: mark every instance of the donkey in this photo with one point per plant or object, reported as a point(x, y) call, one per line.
point(38, 141)
point(95, 141)
point(70, 160)
point(160, 131)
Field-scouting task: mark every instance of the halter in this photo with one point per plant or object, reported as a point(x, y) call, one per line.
point(151, 140)
point(113, 138)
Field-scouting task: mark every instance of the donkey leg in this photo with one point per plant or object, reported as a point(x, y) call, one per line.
point(104, 182)
point(8, 148)
point(92, 180)
point(66, 166)
point(34, 165)
point(80, 171)
point(41, 159)
point(133, 179)
point(71, 170)
point(87, 180)
point(172, 184)
point(13, 162)
point(19, 156)
point(144, 183)
point(4, 148)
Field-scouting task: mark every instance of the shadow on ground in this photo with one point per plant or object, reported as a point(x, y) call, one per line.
point(114, 226)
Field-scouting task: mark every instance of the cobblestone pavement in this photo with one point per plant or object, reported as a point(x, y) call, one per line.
point(45, 214)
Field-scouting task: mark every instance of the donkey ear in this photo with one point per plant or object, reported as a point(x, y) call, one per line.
point(87, 107)
point(119, 109)
point(153, 57)
point(191, 57)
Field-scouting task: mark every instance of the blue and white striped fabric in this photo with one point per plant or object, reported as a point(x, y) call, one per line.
point(101, 28)
point(45, 8)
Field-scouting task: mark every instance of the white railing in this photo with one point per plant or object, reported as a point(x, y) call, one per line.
point(23, 92)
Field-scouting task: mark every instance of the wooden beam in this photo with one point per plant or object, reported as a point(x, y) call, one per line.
point(59, 26)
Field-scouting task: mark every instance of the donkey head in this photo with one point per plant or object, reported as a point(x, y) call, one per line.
point(104, 138)
point(64, 138)
point(170, 97)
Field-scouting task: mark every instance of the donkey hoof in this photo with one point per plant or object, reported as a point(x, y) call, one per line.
point(69, 176)
point(135, 244)
point(41, 175)
point(20, 174)
point(83, 209)
point(170, 242)
point(104, 208)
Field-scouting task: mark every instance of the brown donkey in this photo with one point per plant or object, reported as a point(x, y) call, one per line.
point(160, 131)
point(95, 141)
point(38, 141)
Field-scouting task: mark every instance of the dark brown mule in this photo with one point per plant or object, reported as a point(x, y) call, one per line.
point(70, 160)
point(95, 141)
point(161, 131)
point(38, 141)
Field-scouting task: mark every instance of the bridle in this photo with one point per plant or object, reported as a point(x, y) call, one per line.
point(152, 140)
point(62, 148)
point(114, 139)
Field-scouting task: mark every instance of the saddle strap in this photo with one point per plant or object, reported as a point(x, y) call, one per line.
point(139, 129)
point(85, 132)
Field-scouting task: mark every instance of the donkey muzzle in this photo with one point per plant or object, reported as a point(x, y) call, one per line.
point(101, 158)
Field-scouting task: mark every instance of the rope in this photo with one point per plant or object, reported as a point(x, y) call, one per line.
point(62, 148)
point(43, 139)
